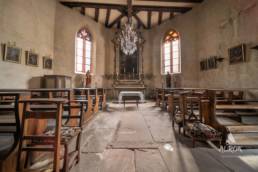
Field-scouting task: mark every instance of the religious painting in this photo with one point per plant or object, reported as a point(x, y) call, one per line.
point(129, 64)
point(47, 63)
point(204, 65)
point(12, 54)
point(237, 54)
point(212, 63)
point(209, 63)
point(31, 58)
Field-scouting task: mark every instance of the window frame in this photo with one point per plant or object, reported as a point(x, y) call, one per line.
point(85, 39)
point(169, 39)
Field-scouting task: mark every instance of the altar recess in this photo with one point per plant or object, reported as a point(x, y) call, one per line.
point(128, 60)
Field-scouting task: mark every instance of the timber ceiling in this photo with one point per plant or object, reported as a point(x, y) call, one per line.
point(145, 13)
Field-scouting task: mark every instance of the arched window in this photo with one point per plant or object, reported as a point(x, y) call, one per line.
point(171, 60)
point(83, 51)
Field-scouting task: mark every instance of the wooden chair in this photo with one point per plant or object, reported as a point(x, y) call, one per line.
point(193, 122)
point(9, 123)
point(72, 120)
point(51, 109)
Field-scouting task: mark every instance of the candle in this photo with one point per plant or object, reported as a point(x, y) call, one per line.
point(124, 69)
point(133, 70)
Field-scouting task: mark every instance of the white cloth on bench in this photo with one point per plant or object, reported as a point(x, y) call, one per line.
point(131, 93)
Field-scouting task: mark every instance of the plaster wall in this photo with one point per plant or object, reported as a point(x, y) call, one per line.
point(28, 24)
point(222, 24)
point(185, 25)
point(68, 23)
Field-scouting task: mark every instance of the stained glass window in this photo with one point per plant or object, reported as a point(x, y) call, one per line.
point(171, 60)
point(83, 51)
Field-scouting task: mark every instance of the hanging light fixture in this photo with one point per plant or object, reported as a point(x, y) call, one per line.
point(128, 35)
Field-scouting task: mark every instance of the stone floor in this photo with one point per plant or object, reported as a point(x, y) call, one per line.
point(142, 140)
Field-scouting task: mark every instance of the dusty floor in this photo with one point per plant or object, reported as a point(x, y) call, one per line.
point(142, 140)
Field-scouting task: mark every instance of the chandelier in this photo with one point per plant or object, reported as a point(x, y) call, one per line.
point(128, 37)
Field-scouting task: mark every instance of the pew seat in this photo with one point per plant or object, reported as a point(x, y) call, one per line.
point(226, 114)
point(225, 121)
point(243, 129)
point(247, 113)
point(243, 139)
point(6, 143)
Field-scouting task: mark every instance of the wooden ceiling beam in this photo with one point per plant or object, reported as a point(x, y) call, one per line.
point(171, 15)
point(107, 17)
point(139, 21)
point(116, 20)
point(73, 4)
point(149, 19)
point(130, 8)
point(124, 7)
point(160, 18)
point(119, 24)
point(82, 11)
point(96, 18)
point(138, 25)
point(162, 9)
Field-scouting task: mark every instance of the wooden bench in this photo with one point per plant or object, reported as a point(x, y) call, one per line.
point(193, 123)
point(234, 129)
point(9, 123)
point(39, 142)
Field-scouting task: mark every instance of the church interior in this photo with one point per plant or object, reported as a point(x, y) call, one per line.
point(128, 85)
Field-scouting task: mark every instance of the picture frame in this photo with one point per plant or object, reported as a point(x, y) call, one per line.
point(209, 63)
point(202, 65)
point(12, 54)
point(32, 59)
point(237, 54)
point(47, 63)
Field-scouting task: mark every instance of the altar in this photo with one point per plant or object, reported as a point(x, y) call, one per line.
point(128, 75)
point(138, 94)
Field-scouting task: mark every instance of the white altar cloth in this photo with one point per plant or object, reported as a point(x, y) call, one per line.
point(131, 93)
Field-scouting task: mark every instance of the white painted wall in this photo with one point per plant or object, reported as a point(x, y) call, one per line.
point(30, 25)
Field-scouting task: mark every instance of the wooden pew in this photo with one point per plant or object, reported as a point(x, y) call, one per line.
point(39, 142)
point(9, 124)
point(162, 95)
point(83, 94)
point(93, 93)
point(8, 164)
point(174, 107)
point(194, 117)
point(102, 94)
point(71, 107)
point(158, 95)
point(243, 135)
point(74, 120)
point(183, 104)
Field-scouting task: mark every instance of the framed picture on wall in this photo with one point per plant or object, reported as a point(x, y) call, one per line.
point(202, 65)
point(32, 58)
point(12, 54)
point(237, 54)
point(47, 63)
